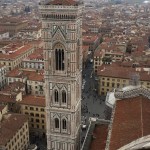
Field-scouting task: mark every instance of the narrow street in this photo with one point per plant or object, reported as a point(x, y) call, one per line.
point(92, 104)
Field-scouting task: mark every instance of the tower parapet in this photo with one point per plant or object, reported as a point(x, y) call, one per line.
point(61, 11)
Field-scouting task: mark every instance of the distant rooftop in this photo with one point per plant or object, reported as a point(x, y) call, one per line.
point(13, 50)
point(33, 100)
point(10, 124)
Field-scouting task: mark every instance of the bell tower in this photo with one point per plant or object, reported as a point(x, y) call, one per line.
point(62, 37)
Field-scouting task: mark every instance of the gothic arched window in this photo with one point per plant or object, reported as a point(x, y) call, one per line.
point(59, 58)
point(56, 96)
point(64, 96)
point(56, 123)
point(64, 124)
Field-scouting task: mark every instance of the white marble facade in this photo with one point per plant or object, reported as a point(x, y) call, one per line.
point(61, 33)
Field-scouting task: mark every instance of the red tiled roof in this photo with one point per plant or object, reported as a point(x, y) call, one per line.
point(7, 99)
point(100, 134)
point(16, 73)
point(17, 53)
point(38, 54)
point(32, 75)
point(14, 87)
point(33, 100)
point(85, 47)
point(122, 72)
point(131, 121)
point(99, 53)
point(10, 126)
point(90, 38)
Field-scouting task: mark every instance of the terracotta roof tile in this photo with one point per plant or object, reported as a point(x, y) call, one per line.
point(131, 121)
point(17, 53)
point(33, 100)
point(38, 55)
point(90, 38)
point(15, 87)
point(10, 126)
point(122, 72)
point(30, 74)
point(7, 99)
point(100, 134)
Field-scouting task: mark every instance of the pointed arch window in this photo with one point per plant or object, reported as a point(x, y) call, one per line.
point(64, 98)
point(59, 58)
point(56, 96)
point(64, 124)
point(56, 123)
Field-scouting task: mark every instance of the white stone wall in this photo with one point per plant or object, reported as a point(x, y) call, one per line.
point(3, 80)
point(58, 32)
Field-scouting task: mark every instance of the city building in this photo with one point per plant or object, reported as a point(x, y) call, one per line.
point(34, 107)
point(14, 131)
point(31, 32)
point(33, 79)
point(13, 54)
point(18, 75)
point(63, 71)
point(14, 87)
point(107, 53)
point(114, 76)
point(34, 61)
point(91, 40)
point(12, 25)
point(11, 95)
point(35, 83)
point(98, 55)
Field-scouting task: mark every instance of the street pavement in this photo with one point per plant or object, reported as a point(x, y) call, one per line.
point(93, 105)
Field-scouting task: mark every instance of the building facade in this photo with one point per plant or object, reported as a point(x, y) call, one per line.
point(61, 32)
point(33, 79)
point(12, 25)
point(14, 132)
point(35, 60)
point(12, 55)
point(121, 77)
point(34, 107)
